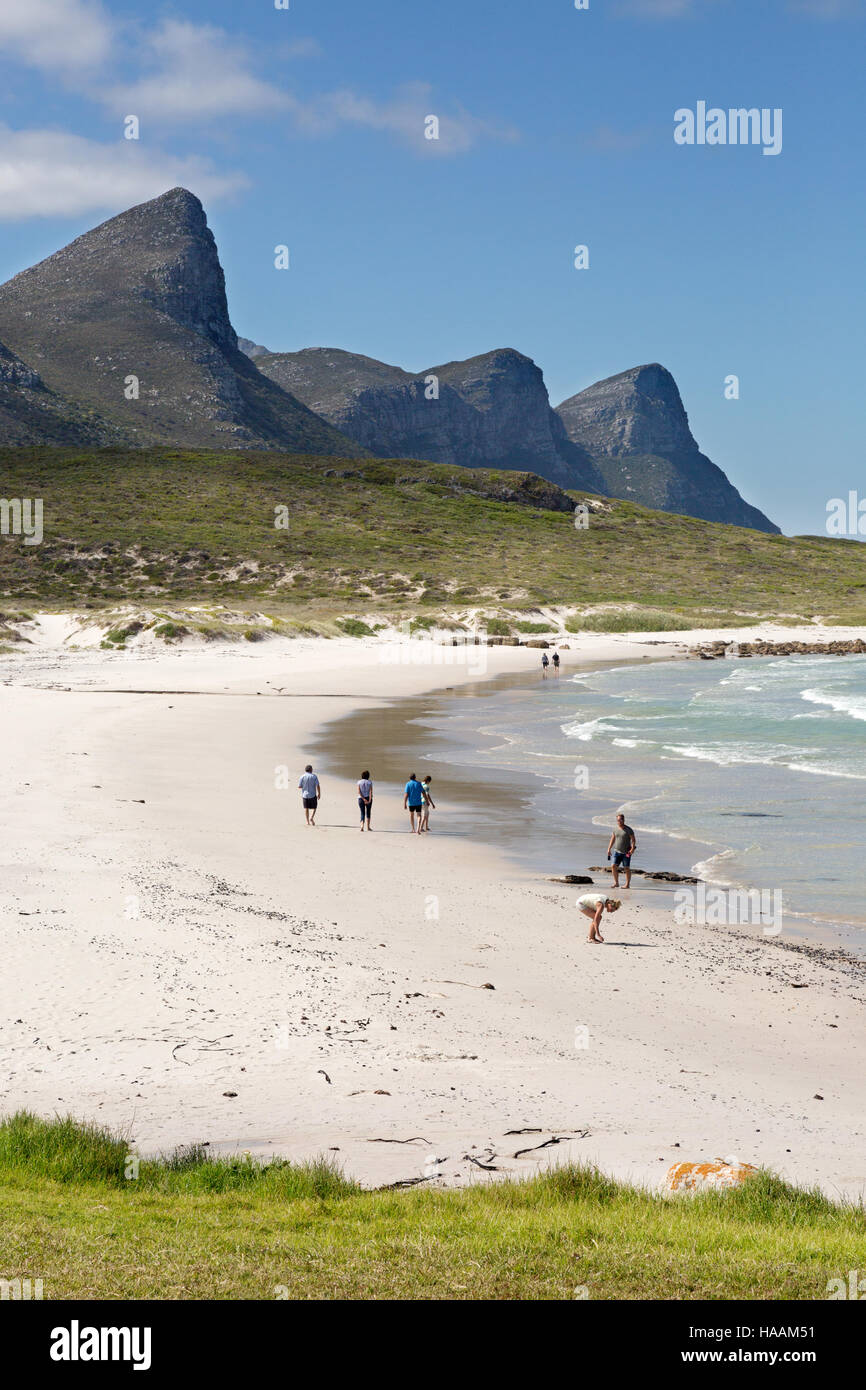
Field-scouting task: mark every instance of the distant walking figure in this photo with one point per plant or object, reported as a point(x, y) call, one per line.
point(544, 665)
point(623, 844)
point(594, 905)
point(428, 802)
point(365, 799)
point(311, 792)
point(556, 662)
point(413, 801)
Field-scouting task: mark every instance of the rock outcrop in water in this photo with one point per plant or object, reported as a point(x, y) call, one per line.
point(635, 428)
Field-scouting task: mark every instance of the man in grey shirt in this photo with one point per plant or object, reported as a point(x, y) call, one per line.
point(623, 844)
point(311, 791)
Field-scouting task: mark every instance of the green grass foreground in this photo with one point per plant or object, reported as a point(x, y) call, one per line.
point(381, 537)
point(191, 1227)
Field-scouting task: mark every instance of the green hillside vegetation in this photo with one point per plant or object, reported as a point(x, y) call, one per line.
point(190, 1227)
point(372, 539)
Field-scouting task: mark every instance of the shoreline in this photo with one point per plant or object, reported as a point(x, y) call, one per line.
point(283, 991)
point(481, 817)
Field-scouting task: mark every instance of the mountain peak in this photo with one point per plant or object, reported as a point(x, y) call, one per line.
point(638, 411)
point(131, 320)
point(161, 251)
point(635, 427)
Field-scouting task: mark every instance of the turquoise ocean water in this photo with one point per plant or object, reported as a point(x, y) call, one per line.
point(752, 771)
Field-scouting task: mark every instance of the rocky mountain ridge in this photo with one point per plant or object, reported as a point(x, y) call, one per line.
point(124, 337)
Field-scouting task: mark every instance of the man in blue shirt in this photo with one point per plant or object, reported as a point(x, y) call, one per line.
point(310, 790)
point(413, 801)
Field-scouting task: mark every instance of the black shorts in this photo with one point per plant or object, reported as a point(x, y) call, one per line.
point(310, 803)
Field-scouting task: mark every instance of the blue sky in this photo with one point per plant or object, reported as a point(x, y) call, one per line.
point(304, 126)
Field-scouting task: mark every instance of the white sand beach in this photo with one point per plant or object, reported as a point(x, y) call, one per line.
point(186, 961)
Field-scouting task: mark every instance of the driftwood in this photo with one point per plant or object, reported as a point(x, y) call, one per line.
point(465, 983)
point(405, 1182)
point(416, 1139)
point(557, 1139)
point(210, 1048)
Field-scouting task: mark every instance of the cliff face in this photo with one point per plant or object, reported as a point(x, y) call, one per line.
point(490, 411)
point(144, 295)
point(636, 429)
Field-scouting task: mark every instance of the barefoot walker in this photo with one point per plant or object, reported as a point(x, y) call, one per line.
point(311, 792)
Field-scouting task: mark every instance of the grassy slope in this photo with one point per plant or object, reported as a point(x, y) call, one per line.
point(191, 1228)
point(401, 534)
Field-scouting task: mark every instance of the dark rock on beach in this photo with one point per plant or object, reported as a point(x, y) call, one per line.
point(743, 650)
point(665, 875)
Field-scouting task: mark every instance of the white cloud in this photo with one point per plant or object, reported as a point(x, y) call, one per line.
point(57, 35)
point(199, 72)
point(45, 173)
point(404, 116)
point(186, 73)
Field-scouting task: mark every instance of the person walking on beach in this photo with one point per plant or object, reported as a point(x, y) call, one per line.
point(623, 844)
point(428, 802)
point(413, 801)
point(593, 906)
point(556, 663)
point(544, 665)
point(311, 792)
point(365, 799)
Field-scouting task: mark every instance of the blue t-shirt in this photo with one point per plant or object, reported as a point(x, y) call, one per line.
point(365, 787)
point(309, 784)
point(415, 793)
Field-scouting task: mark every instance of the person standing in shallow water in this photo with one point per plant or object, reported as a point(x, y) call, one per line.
point(413, 802)
point(544, 665)
point(365, 799)
point(556, 663)
point(623, 844)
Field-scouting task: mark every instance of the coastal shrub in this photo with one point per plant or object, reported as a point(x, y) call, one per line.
point(638, 620)
point(523, 625)
point(353, 627)
point(65, 1149)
